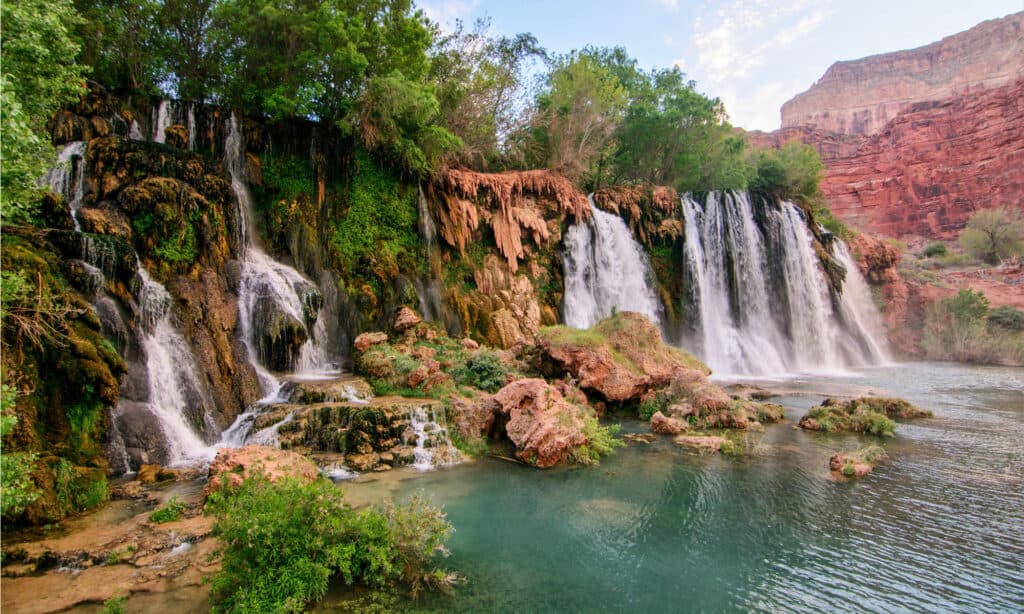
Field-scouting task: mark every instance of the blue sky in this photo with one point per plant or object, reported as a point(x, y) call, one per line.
point(753, 54)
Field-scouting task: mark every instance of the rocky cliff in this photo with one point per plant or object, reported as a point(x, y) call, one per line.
point(921, 138)
point(860, 97)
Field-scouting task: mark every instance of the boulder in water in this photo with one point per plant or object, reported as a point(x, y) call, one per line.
point(660, 423)
point(545, 428)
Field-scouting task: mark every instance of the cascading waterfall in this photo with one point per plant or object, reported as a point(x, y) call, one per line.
point(428, 289)
point(606, 270)
point(172, 373)
point(67, 177)
point(264, 279)
point(859, 307)
point(759, 299)
point(432, 448)
point(191, 125)
point(163, 119)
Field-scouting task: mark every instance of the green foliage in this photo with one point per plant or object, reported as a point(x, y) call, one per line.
point(578, 113)
point(792, 172)
point(994, 235)
point(418, 532)
point(1007, 318)
point(473, 447)
point(76, 492)
point(17, 491)
point(855, 416)
point(938, 248)
point(481, 82)
point(659, 401)
point(39, 75)
point(960, 328)
point(376, 236)
point(168, 513)
point(484, 370)
point(399, 119)
point(282, 543)
point(123, 44)
point(114, 605)
point(601, 441)
point(831, 223)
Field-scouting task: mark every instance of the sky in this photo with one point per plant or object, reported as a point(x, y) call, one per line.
point(753, 54)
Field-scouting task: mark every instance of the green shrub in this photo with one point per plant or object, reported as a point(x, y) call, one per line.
point(282, 543)
point(961, 328)
point(1007, 318)
point(601, 441)
point(658, 402)
point(168, 513)
point(994, 235)
point(114, 605)
point(935, 249)
point(18, 490)
point(486, 371)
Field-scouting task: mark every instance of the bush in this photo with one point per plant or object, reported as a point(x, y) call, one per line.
point(993, 235)
point(960, 328)
point(484, 370)
point(1006, 318)
point(601, 441)
point(168, 513)
point(18, 491)
point(282, 543)
point(935, 249)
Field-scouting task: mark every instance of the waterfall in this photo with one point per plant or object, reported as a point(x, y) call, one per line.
point(758, 298)
point(859, 308)
point(432, 448)
point(191, 127)
point(135, 132)
point(606, 270)
point(270, 285)
point(162, 119)
point(67, 177)
point(428, 289)
point(172, 374)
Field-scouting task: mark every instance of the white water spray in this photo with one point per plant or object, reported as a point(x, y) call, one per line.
point(606, 270)
point(67, 177)
point(263, 278)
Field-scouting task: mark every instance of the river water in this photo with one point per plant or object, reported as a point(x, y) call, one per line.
point(656, 528)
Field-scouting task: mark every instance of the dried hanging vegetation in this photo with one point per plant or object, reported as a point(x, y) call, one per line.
point(511, 202)
point(651, 211)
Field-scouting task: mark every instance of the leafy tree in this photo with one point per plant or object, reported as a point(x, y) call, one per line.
point(792, 172)
point(192, 59)
point(994, 234)
point(124, 43)
point(39, 75)
point(578, 114)
point(481, 82)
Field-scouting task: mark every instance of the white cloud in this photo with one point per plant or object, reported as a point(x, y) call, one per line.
point(734, 39)
point(445, 12)
point(670, 4)
point(756, 110)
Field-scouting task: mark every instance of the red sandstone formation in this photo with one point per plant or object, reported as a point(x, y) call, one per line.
point(861, 97)
point(544, 426)
point(915, 141)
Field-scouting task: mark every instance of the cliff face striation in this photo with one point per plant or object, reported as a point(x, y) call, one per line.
point(860, 97)
point(915, 141)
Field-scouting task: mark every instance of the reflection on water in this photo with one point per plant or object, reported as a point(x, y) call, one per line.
point(657, 528)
